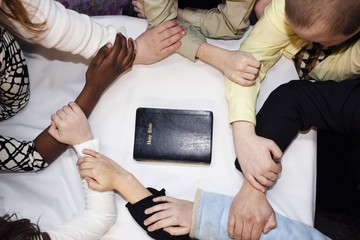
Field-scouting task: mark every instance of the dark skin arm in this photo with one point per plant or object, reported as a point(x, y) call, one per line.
point(103, 70)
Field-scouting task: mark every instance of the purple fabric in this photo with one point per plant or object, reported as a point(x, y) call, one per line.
point(96, 7)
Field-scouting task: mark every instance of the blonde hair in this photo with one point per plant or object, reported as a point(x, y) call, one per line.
point(337, 16)
point(15, 10)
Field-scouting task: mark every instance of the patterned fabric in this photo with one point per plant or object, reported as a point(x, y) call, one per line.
point(14, 77)
point(96, 7)
point(308, 57)
point(17, 156)
point(312, 54)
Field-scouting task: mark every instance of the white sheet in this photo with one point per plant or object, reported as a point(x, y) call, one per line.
point(55, 195)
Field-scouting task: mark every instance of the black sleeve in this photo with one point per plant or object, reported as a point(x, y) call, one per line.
point(300, 104)
point(137, 212)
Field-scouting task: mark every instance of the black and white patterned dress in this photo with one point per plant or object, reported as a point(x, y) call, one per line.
point(15, 155)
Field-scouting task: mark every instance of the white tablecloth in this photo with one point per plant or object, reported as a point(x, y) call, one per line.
point(54, 195)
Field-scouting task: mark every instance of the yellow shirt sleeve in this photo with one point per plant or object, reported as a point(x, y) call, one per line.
point(268, 40)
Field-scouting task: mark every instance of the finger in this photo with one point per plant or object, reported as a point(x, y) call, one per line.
point(253, 181)
point(61, 114)
point(75, 107)
point(56, 119)
point(141, 15)
point(264, 181)
point(119, 50)
point(247, 76)
point(270, 223)
point(272, 176)
point(254, 63)
point(67, 110)
point(53, 131)
point(244, 231)
point(157, 208)
point(130, 55)
point(242, 81)
point(86, 173)
point(92, 153)
point(156, 218)
point(93, 184)
point(231, 226)
point(165, 26)
point(163, 223)
point(172, 42)
point(275, 151)
point(176, 231)
point(164, 199)
point(256, 231)
point(82, 162)
point(251, 70)
point(101, 55)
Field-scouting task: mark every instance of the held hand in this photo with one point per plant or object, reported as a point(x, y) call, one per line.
point(69, 125)
point(109, 63)
point(257, 156)
point(173, 215)
point(241, 67)
point(100, 171)
point(159, 42)
point(139, 8)
point(250, 214)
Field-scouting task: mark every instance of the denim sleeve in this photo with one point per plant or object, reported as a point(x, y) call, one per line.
point(211, 213)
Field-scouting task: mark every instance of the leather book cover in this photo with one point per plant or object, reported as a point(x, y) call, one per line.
point(173, 135)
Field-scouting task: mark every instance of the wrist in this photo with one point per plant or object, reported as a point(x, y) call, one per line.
point(212, 55)
point(242, 130)
point(247, 187)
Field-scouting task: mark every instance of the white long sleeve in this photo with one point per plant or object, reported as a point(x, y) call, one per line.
point(67, 30)
point(100, 210)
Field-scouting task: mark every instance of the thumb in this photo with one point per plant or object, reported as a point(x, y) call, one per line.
point(275, 151)
point(270, 224)
point(53, 131)
point(176, 231)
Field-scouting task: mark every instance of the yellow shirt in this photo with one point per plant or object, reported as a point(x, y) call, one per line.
point(272, 37)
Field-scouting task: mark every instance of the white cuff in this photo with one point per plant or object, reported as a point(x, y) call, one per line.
point(93, 144)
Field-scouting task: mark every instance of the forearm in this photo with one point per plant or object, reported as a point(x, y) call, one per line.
point(46, 145)
point(212, 55)
point(66, 30)
point(130, 188)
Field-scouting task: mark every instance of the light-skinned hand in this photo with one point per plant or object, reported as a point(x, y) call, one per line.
point(159, 42)
point(139, 8)
point(250, 214)
point(240, 67)
point(100, 171)
point(69, 125)
point(173, 216)
point(257, 156)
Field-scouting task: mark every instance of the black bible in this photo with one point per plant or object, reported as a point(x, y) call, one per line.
point(173, 135)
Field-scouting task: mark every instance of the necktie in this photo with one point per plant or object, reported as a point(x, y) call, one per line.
point(308, 57)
